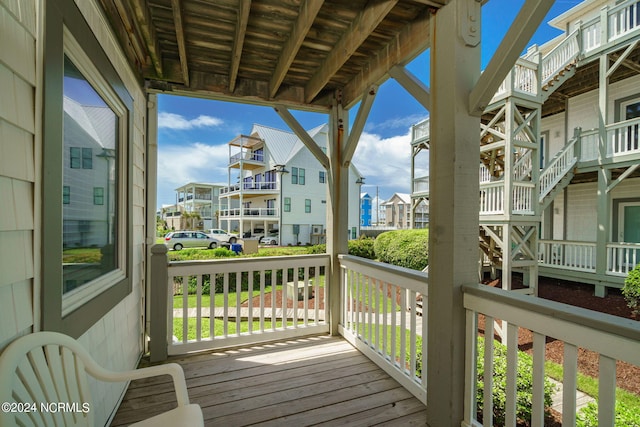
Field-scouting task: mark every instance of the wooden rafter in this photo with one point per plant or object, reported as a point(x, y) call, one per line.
point(148, 30)
point(359, 30)
point(182, 48)
point(307, 14)
point(358, 125)
point(403, 48)
point(238, 43)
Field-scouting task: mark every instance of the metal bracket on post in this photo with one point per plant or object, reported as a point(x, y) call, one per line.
point(469, 13)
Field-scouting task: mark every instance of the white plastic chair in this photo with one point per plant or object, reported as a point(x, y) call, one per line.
point(49, 367)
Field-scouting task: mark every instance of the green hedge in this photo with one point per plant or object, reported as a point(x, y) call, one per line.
point(405, 248)
point(631, 290)
point(625, 416)
point(362, 247)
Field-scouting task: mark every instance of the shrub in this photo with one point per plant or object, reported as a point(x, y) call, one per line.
point(362, 247)
point(631, 290)
point(625, 416)
point(318, 249)
point(404, 248)
point(524, 384)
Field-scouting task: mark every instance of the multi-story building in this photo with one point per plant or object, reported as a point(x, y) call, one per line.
point(276, 184)
point(197, 207)
point(366, 210)
point(559, 176)
point(398, 211)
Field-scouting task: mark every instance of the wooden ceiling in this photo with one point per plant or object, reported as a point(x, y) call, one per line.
point(292, 52)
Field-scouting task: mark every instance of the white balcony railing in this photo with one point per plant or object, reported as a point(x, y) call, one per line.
point(559, 166)
point(492, 198)
point(560, 57)
point(222, 303)
point(569, 255)
point(252, 187)
point(623, 138)
point(613, 338)
point(247, 155)
point(420, 131)
point(249, 212)
point(379, 317)
point(622, 258)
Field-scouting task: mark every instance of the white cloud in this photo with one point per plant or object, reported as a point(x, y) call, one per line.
point(179, 122)
point(193, 162)
point(386, 163)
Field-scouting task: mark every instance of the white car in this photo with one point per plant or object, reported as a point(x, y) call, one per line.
point(190, 239)
point(222, 235)
point(270, 239)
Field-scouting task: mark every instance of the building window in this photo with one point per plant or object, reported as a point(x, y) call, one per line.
point(322, 177)
point(98, 195)
point(307, 205)
point(287, 204)
point(87, 112)
point(297, 176)
point(81, 158)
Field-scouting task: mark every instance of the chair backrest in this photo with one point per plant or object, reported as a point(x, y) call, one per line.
point(44, 382)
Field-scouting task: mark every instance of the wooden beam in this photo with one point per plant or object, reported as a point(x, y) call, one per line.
point(412, 84)
point(622, 176)
point(297, 128)
point(404, 47)
point(359, 30)
point(182, 48)
point(621, 59)
point(307, 14)
point(148, 30)
point(358, 126)
point(238, 42)
point(527, 21)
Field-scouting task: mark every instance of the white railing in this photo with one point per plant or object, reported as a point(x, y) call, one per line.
point(623, 19)
point(222, 303)
point(569, 255)
point(623, 138)
point(523, 198)
point(253, 212)
point(591, 35)
point(421, 185)
point(559, 57)
point(420, 131)
point(622, 258)
point(522, 168)
point(525, 77)
point(559, 166)
point(492, 198)
point(386, 329)
point(247, 155)
point(614, 338)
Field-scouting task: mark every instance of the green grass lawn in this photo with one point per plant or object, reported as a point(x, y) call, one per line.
point(219, 328)
point(81, 255)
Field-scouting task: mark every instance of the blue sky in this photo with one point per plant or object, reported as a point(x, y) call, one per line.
point(193, 133)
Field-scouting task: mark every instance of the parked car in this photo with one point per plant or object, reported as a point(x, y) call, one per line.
point(222, 235)
point(270, 239)
point(257, 233)
point(190, 239)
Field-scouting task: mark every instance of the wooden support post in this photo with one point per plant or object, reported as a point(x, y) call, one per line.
point(159, 304)
point(453, 188)
point(604, 176)
point(337, 206)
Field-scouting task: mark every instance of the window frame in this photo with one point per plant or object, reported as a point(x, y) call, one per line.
point(67, 33)
point(287, 204)
point(307, 205)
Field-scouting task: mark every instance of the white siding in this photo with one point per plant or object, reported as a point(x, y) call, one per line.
point(582, 208)
point(116, 340)
point(17, 167)
point(554, 125)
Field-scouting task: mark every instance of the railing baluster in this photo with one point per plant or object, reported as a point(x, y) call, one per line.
point(262, 291)
point(569, 380)
point(225, 307)
point(487, 414)
point(199, 307)
point(537, 408)
point(606, 391)
point(512, 373)
point(185, 308)
point(238, 302)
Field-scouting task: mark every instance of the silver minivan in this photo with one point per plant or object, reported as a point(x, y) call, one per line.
point(190, 239)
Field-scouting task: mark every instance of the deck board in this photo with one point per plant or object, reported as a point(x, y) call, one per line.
point(309, 381)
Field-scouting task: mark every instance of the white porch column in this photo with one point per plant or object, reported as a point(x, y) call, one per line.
point(454, 207)
point(604, 176)
point(337, 206)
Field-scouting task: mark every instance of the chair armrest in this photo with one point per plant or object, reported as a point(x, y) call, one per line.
point(172, 369)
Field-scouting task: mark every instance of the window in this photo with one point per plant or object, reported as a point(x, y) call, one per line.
point(297, 176)
point(287, 204)
point(98, 195)
point(307, 205)
point(86, 114)
point(322, 177)
point(66, 195)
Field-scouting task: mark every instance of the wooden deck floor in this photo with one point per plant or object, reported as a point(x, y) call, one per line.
point(303, 382)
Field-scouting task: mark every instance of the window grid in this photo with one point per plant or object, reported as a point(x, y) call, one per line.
point(307, 205)
point(287, 204)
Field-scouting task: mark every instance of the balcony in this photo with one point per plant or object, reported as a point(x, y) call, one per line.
point(274, 368)
point(622, 142)
point(249, 188)
point(247, 160)
point(255, 213)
